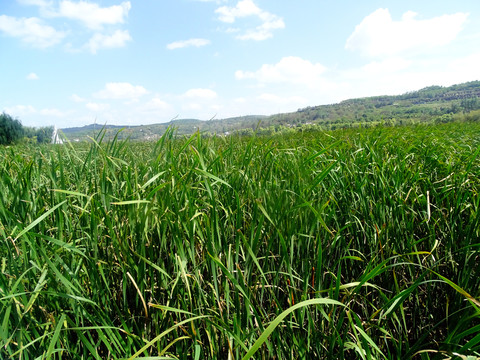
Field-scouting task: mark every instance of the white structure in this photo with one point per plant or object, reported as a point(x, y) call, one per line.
point(55, 138)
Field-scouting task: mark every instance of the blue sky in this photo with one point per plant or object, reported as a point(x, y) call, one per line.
point(70, 62)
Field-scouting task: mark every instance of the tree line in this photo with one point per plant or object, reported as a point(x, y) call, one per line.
point(12, 131)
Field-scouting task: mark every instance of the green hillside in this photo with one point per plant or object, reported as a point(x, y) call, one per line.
point(431, 104)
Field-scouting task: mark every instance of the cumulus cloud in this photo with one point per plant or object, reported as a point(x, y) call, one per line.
point(97, 106)
point(100, 41)
point(92, 15)
point(240, 100)
point(262, 32)
point(188, 43)
point(242, 9)
point(20, 110)
point(32, 31)
point(389, 65)
point(52, 112)
point(469, 61)
point(156, 104)
point(198, 102)
point(121, 90)
point(465, 68)
point(156, 108)
point(32, 76)
point(25, 110)
point(77, 98)
point(205, 94)
point(298, 100)
point(290, 69)
point(247, 8)
point(378, 34)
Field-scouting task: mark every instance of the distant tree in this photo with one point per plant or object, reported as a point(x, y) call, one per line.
point(44, 134)
point(469, 104)
point(473, 116)
point(445, 118)
point(41, 135)
point(454, 108)
point(11, 130)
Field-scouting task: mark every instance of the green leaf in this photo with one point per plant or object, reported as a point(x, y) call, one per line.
point(131, 202)
point(151, 342)
point(38, 220)
point(273, 325)
point(54, 340)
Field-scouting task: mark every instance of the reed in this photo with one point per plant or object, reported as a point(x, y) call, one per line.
point(358, 243)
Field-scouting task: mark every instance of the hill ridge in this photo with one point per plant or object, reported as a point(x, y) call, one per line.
point(429, 103)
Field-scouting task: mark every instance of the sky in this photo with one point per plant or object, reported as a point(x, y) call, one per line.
point(71, 63)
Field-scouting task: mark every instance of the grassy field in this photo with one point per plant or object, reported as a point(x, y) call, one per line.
point(355, 244)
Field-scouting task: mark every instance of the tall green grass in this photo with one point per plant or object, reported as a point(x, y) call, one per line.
point(360, 243)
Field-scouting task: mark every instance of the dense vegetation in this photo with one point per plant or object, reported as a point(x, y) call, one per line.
point(434, 104)
point(12, 131)
point(356, 243)
point(40, 135)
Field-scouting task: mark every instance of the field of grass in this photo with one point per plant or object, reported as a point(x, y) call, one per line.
point(355, 244)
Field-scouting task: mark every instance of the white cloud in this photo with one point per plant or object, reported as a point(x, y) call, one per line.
point(387, 66)
point(31, 31)
point(298, 100)
point(199, 103)
point(32, 76)
point(205, 94)
point(20, 110)
point(466, 68)
point(121, 90)
point(240, 100)
point(88, 13)
point(100, 41)
point(92, 15)
point(97, 106)
point(453, 71)
point(231, 30)
point(187, 43)
point(263, 31)
point(247, 8)
point(192, 106)
point(26, 110)
point(156, 104)
point(52, 112)
point(290, 69)
point(242, 9)
point(77, 98)
point(394, 76)
point(379, 35)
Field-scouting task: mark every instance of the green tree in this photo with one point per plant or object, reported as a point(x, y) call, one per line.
point(469, 104)
point(44, 134)
point(11, 129)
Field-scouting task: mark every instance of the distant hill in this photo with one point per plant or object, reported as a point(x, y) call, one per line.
point(430, 103)
point(154, 131)
point(433, 103)
point(89, 128)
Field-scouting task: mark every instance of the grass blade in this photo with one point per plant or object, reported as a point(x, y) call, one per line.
point(273, 325)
